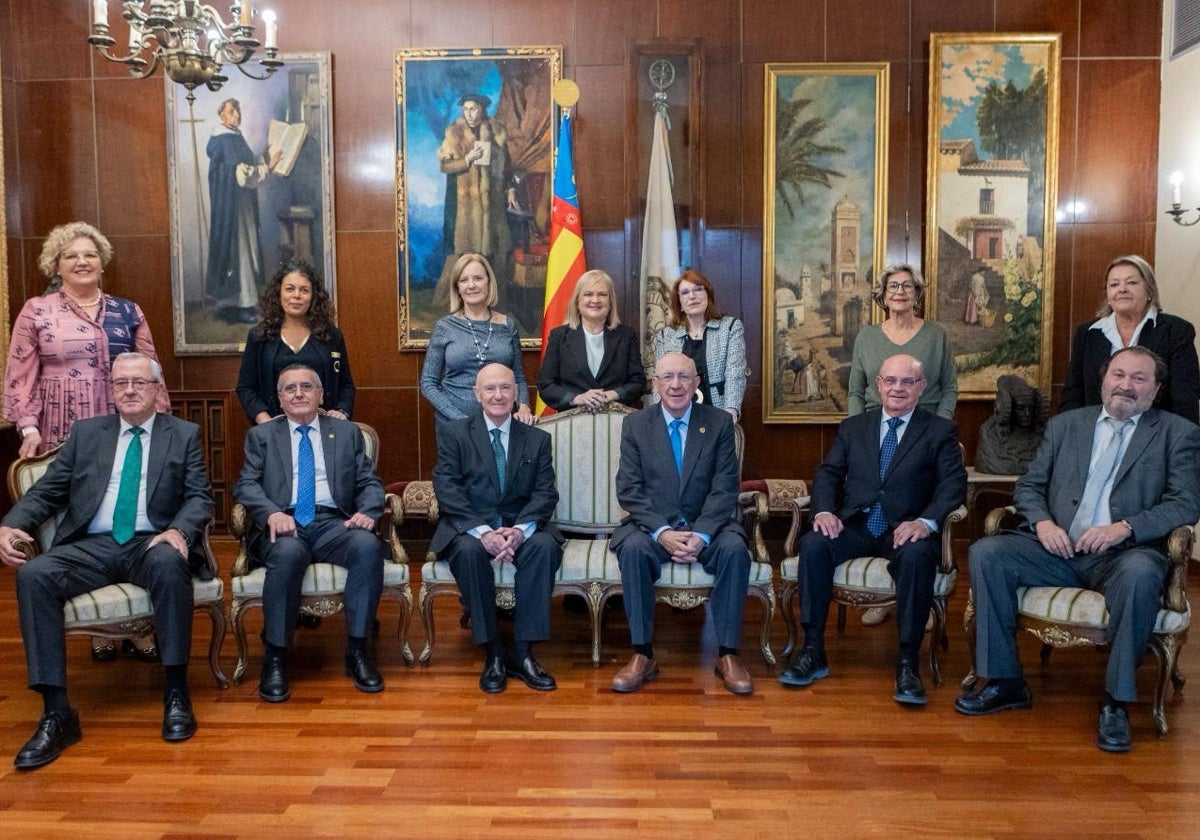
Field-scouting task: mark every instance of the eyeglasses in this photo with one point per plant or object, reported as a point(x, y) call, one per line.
point(903, 381)
point(694, 291)
point(681, 378)
point(897, 287)
point(302, 387)
point(80, 256)
point(138, 384)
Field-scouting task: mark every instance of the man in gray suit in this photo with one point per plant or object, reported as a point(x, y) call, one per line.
point(134, 498)
point(1107, 486)
point(678, 481)
point(308, 502)
point(494, 481)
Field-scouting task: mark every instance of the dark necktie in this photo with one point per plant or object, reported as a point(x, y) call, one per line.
point(498, 454)
point(1098, 476)
point(677, 444)
point(876, 522)
point(125, 511)
point(306, 479)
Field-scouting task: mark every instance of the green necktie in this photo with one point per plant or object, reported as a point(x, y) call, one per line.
point(125, 512)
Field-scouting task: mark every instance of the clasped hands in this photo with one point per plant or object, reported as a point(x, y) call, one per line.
point(280, 524)
point(594, 399)
point(1094, 540)
point(830, 524)
point(502, 543)
point(683, 546)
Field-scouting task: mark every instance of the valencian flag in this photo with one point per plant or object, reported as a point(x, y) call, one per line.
point(566, 261)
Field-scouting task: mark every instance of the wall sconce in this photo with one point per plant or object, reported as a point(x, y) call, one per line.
point(1177, 210)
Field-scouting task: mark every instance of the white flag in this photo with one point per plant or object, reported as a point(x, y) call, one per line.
point(660, 242)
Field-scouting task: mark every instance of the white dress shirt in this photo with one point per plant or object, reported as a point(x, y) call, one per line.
point(102, 522)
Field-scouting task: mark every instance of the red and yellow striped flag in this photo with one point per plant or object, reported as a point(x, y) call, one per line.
point(566, 261)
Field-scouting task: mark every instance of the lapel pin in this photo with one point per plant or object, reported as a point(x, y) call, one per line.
point(703, 430)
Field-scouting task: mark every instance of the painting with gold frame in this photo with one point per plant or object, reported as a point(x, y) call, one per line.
point(4, 327)
point(824, 230)
point(475, 136)
point(989, 233)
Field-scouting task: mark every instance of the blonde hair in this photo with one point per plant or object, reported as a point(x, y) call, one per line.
point(587, 281)
point(456, 273)
point(1143, 268)
point(64, 235)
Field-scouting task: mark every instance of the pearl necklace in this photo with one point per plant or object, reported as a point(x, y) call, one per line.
point(81, 304)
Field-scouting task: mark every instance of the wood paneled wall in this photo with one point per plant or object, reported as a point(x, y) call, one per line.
point(86, 141)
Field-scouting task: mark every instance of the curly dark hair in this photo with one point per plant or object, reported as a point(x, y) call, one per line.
point(320, 315)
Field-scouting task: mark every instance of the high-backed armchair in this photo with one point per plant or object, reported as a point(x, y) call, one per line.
point(1064, 616)
point(122, 610)
point(324, 583)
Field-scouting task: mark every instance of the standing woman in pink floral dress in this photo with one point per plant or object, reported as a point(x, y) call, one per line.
point(63, 344)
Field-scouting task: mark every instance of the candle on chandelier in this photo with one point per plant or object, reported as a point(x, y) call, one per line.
point(272, 34)
point(135, 37)
point(244, 13)
point(100, 12)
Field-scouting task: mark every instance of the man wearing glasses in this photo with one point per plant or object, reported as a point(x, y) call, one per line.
point(893, 474)
point(678, 480)
point(311, 492)
point(134, 498)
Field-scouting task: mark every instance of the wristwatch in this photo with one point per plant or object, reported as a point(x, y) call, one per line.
point(1125, 522)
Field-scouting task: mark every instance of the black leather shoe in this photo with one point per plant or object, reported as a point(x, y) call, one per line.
point(994, 697)
point(55, 732)
point(493, 679)
point(909, 689)
point(360, 668)
point(806, 667)
point(530, 672)
point(179, 723)
point(1112, 732)
point(273, 682)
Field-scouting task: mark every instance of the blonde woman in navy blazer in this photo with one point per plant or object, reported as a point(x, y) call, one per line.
point(592, 359)
point(715, 342)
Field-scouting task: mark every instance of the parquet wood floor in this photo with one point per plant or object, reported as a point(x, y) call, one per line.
point(432, 757)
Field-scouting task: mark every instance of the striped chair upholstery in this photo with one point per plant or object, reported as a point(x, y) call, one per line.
point(1065, 616)
point(864, 582)
point(122, 610)
point(324, 583)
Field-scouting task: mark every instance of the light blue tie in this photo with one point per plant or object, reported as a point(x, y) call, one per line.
point(677, 444)
point(306, 479)
point(1098, 476)
point(876, 522)
point(125, 510)
point(498, 454)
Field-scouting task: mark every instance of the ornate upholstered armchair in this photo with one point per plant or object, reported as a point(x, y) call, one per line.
point(864, 582)
point(587, 451)
point(324, 583)
point(1063, 616)
point(122, 610)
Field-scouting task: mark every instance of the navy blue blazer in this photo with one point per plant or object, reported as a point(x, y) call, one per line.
point(565, 373)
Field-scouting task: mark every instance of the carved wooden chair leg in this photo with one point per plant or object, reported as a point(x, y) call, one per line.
point(237, 611)
point(216, 612)
point(938, 640)
point(970, 679)
point(426, 610)
point(767, 597)
point(597, 597)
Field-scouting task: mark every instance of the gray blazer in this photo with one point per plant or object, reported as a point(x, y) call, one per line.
point(724, 353)
point(1157, 485)
point(265, 485)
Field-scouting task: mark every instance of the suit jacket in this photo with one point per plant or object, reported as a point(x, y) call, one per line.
point(265, 485)
point(1170, 336)
point(724, 354)
point(924, 480)
point(1157, 484)
point(257, 377)
point(565, 373)
point(468, 488)
point(653, 493)
point(177, 488)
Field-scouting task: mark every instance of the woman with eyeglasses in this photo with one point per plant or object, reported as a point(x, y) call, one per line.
point(900, 291)
point(1132, 314)
point(63, 345)
point(715, 342)
point(295, 326)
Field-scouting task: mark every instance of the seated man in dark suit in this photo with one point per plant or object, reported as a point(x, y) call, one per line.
point(678, 481)
point(310, 492)
point(494, 482)
point(134, 496)
point(1108, 485)
point(892, 475)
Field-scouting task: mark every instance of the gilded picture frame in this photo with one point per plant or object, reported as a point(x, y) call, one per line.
point(215, 287)
point(450, 102)
point(825, 167)
point(992, 189)
point(4, 313)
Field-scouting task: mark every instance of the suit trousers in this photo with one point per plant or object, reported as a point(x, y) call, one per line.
point(726, 558)
point(328, 540)
point(536, 562)
point(1131, 581)
point(48, 581)
point(913, 567)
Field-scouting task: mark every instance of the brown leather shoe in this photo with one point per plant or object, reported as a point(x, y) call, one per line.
point(734, 674)
point(638, 671)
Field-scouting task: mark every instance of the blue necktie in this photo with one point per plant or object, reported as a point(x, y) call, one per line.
point(876, 522)
point(677, 444)
point(125, 510)
point(1098, 476)
point(498, 454)
point(306, 479)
